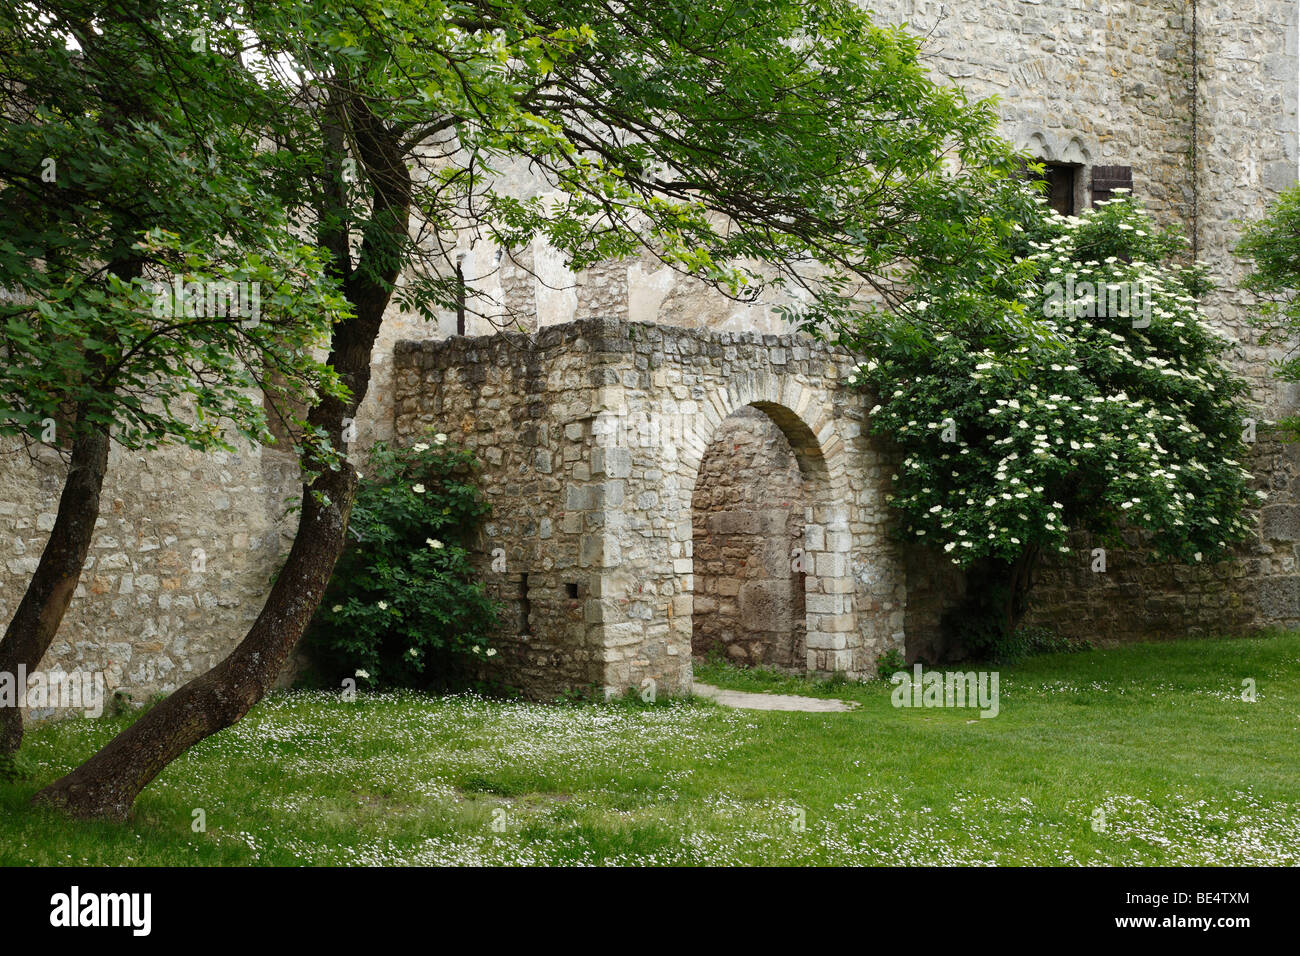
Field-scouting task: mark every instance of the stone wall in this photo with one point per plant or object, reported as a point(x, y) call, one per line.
point(593, 435)
point(181, 558)
point(525, 405)
point(1104, 83)
point(1140, 599)
point(747, 514)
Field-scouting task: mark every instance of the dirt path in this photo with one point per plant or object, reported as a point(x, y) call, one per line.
point(747, 701)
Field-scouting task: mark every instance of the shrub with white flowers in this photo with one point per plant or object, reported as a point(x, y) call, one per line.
point(1119, 414)
point(403, 608)
point(1272, 244)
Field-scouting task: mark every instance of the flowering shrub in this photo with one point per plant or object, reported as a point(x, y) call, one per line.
point(402, 608)
point(1111, 417)
point(1272, 244)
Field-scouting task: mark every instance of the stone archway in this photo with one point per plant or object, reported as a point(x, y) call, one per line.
point(832, 637)
point(592, 436)
point(748, 515)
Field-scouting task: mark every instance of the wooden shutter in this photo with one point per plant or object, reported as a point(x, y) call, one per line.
point(1106, 179)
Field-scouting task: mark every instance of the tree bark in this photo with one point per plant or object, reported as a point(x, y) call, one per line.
point(107, 784)
point(1020, 582)
point(50, 590)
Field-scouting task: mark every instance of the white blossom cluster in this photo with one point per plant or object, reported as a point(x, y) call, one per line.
point(1099, 422)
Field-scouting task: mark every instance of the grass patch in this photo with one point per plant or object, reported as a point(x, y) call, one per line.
point(1137, 755)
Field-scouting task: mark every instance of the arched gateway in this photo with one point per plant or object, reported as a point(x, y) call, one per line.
point(592, 435)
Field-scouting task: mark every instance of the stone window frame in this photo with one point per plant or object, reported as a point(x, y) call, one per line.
point(1065, 149)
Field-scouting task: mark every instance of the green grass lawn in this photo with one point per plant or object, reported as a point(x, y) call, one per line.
point(1156, 737)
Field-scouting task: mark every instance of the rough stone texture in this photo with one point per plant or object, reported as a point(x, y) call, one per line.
point(1104, 83)
point(1139, 599)
point(748, 517)
point(526, 408)
point(183, 552)
point(593, 434)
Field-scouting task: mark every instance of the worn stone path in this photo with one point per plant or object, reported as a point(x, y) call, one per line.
point(747, 701)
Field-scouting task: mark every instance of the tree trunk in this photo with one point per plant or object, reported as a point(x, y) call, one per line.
point(50, 590)
point(108, 783)
point(1020, 581)
point(48, 594)
point(996, 599)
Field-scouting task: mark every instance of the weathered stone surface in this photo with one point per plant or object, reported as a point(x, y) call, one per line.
point(687, 430)
point(170, 583)
point(748, 512)
point(585, 405)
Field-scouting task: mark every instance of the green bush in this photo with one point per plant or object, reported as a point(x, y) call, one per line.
point(890, 663)
point(402, 608)
point(1119, 412)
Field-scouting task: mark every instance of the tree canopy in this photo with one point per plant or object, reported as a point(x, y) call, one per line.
point(153, 282)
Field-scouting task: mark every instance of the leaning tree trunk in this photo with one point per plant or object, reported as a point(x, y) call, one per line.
point(50, 590)
point(108, 783)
